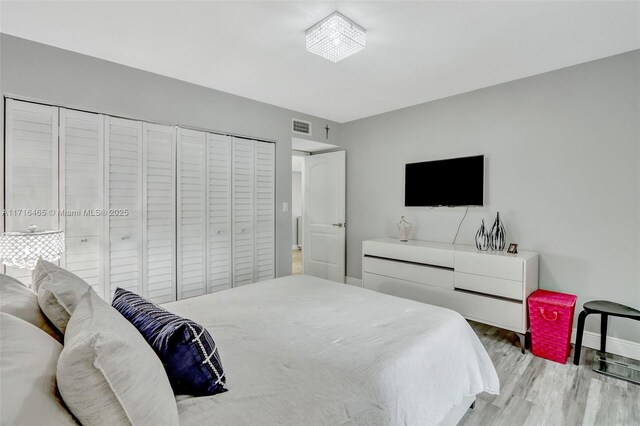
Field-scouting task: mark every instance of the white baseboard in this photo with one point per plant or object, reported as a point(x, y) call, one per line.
point(615, 345)
point(354, 281)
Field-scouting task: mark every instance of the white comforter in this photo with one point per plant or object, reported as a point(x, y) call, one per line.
point(301, 350)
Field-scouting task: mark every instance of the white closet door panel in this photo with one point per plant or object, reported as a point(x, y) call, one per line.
point(264, 211)
point(219, 212)
point(243, 211)
point(124, 193)
point(83, 256)
point(191, 196)
point(31, 160)
point(81, 192)
point(31, 169)
point(159, 212)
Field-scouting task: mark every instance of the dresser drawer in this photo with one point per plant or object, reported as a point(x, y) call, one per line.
point(489, 285)
point(409, 290)
point(437, 254)
point(500, 313)
point(422, 274)
point(489, 265)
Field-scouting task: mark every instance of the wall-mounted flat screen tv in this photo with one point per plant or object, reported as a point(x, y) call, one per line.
point(451, 182)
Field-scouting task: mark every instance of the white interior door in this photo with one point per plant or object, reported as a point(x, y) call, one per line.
point(219, 212)
point(31, 161)
point(81, 193)
point(123, 195)
point(243, 211)
point(192, 218)
point(265, 153)
point(324, 216)
point(159, 212)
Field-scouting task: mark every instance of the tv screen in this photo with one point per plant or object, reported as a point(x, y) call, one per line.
point(452, 182)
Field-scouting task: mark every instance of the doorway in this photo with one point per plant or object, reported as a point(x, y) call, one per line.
point(297, 168)
point(318, 209)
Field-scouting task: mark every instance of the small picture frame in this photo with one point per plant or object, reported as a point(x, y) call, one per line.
point(513, 248)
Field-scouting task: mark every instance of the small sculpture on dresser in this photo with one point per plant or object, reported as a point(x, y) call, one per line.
point(498, 236)
point(404, 228)
point(482, 238)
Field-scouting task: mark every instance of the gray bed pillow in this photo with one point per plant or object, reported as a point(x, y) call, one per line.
point(28, 360)
point(108, 374)
point(20, 301)
point(59, 291)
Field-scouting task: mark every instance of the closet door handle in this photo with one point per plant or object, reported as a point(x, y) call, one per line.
point(339, 225)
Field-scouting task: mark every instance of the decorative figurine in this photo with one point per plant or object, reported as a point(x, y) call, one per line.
point(404, 228)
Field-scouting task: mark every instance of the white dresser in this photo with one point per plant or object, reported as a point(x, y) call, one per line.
point(488, 287)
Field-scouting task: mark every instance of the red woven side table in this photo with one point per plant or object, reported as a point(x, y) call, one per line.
point(551, 319)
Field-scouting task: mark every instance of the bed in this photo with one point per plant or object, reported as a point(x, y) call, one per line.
point(303, 350)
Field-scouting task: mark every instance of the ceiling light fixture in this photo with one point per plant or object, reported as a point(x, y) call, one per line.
point(336, 37)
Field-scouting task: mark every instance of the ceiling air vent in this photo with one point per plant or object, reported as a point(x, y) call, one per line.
point(301, 127)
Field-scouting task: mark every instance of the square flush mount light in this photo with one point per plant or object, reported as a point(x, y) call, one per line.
point(336, 37)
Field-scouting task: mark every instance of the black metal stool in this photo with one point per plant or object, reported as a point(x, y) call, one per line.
point(605, 309)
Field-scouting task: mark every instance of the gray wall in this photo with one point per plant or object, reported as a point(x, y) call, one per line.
point(563, 169)
point(44, 73)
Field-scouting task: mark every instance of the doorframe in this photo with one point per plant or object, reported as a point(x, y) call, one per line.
point(299, 153)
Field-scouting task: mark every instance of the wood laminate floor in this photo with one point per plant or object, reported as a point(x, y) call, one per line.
point(535, 391)
point(296, 260)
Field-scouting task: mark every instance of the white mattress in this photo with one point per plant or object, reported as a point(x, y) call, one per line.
point(302, 350)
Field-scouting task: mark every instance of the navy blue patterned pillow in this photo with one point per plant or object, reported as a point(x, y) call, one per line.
point(186, 349)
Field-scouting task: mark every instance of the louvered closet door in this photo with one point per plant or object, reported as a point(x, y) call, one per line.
point(192, 220)
point(219, 212)
point(81, 195)
point(123, 194)
point(265, 210)
point(159, 212)
point(31, 170)
point(243, 212)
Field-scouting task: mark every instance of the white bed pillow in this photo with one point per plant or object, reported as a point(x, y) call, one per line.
point(20, 301)
point(108, 374)
point(59, 291)
point(28, 359)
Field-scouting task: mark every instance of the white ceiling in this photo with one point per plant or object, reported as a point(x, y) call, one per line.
point(416, 51)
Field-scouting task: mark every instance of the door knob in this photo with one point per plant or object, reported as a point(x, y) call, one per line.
point(339, 225)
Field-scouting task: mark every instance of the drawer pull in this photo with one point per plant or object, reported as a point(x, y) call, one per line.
point(84, 240)
point(124, 237)
point(552, 318)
